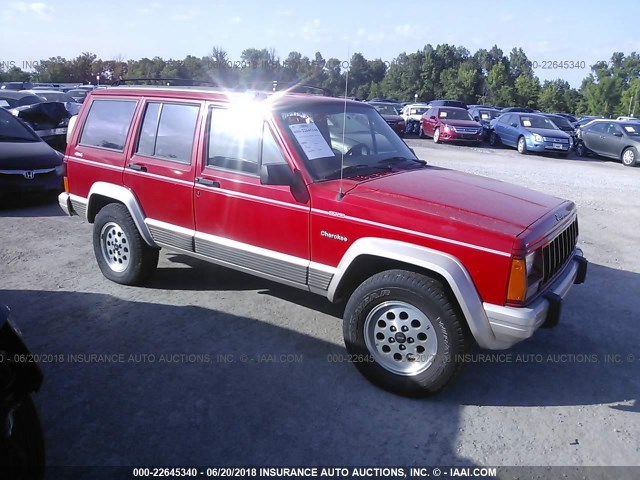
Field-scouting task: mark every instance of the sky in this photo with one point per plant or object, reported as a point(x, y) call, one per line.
point(546, 30)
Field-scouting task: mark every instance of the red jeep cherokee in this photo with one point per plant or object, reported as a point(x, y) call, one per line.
point(323, 196)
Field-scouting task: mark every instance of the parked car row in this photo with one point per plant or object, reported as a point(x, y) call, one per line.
point(525, 129)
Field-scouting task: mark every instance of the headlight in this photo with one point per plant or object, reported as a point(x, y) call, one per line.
point(537, 138)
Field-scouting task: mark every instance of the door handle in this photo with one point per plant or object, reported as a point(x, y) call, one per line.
point(208, 183)
point(137, 167)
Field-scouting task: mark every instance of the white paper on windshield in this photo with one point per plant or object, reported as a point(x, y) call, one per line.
point(485, 116)
point(629, 129)
point(311, 141)
point(526, 123)
point(4, 103)
point(443, 114)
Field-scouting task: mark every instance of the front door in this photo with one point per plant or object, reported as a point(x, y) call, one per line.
point(261, 229)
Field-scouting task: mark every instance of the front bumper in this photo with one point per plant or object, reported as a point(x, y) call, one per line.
point(547, 146)
point(511, 325)
point(451, 136)
point(64, 201)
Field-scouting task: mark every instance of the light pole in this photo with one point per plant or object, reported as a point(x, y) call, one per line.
point(415, 97)
point(98, 80)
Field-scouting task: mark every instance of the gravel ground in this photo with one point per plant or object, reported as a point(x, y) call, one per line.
point(196, 373)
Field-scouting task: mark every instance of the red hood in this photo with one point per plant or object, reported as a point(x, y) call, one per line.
point(460, 123)
point(458, 197)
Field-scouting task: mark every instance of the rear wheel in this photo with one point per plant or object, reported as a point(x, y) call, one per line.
point(630, 157)
point(494, 140)
point(122, 254)
point(404, 334)
point(436, 135)
point(522, 146)
point(22, 454)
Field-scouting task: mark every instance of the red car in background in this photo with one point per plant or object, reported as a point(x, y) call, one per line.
point(445, 124)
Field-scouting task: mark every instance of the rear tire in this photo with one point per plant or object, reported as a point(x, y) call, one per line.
point(122, 254)
point(629, 157)
point(404, 334)
point(421, 133)
point(494, 140)
point(22, 455)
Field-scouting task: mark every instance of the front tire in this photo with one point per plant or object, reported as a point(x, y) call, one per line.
point(436, 135)
point(494, 140)
point(522, 146)
point(122, 254)
point(629, 157)
point(404, 333)
point(581, 150)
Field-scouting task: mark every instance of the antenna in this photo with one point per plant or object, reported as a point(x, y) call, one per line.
point(341, 193)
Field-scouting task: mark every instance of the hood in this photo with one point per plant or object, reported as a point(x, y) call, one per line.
point(460, 123)
point(392, 118)
point(28, 156)
point(546, 132)
point(459, 198)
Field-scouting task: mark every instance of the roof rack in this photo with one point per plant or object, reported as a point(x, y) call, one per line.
point(171, 82)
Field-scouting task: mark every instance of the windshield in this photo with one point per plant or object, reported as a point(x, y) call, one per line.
point(489, 114)
point(56, 97)
point(386, 109)
point(324, 135)
point(537, 122)
point(12, 130)
point(454, 114)
point(77, 93)
point(631, 129)
point(561, 122)
point(417, 110)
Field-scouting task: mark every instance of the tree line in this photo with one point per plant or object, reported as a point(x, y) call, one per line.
point(444, 71)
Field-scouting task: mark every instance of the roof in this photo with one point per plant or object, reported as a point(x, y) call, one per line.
point(215, 94)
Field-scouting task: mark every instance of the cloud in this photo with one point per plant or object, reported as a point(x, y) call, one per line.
point(405, 29)
point(40, 9)
point(235, 20)
point(184, 16)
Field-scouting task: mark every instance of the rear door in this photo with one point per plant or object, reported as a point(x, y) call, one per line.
point(161, 169)
point(593, 137)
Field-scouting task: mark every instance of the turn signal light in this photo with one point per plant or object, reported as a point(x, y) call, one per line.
point(66, 184)
point(517, 291)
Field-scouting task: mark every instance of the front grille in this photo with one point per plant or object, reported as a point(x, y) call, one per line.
point(555, 140)
point(556, 253)
point(466, 130)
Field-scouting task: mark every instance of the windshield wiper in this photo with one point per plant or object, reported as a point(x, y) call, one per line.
point(13, 137)
point(398, 159)
point(355, 169)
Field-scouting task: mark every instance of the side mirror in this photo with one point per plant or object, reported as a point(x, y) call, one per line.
point(476, 118)
point(276, 174)
point(617, 134)
point(433, 117)
point(514, 124)
point(281, 174)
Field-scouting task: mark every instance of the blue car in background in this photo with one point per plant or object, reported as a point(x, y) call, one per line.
point(529, 132)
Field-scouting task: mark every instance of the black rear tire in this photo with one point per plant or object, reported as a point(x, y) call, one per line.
point(416, 297)
point(22, 455)
point(137, 259)
point(494, 140)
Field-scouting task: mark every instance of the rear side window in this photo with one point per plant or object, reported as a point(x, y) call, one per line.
point(108, 123)
point(168, 130)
